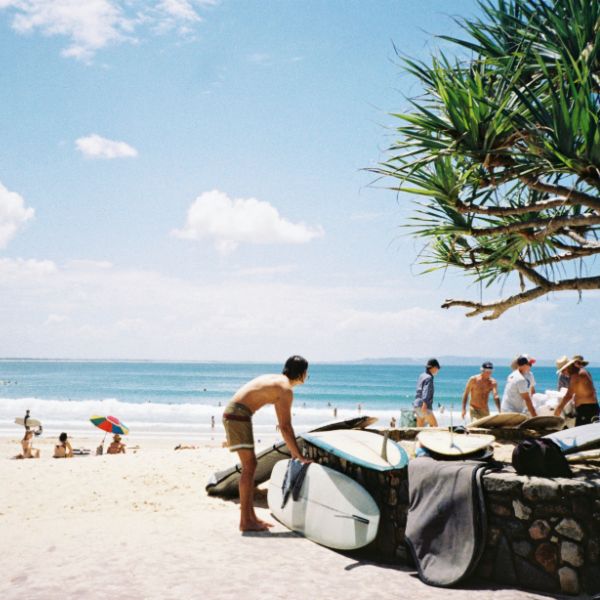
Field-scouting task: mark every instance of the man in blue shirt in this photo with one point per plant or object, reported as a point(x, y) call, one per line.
point(423, 403)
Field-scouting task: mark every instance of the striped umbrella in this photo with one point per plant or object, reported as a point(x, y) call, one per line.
point(110, 424)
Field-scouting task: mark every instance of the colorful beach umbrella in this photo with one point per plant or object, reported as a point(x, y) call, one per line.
point(110, 424)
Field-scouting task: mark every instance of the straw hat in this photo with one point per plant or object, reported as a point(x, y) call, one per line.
point(577, 358)
point(561, 362)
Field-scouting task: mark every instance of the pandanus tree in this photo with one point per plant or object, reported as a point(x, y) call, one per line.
point(502, 148)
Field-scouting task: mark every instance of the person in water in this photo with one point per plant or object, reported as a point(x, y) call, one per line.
point(581, 390)
point(272, 389)
point(479, 388)
point(63, 448)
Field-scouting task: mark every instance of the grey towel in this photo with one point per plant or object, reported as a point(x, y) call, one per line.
point(446, 523)
point(292, 481)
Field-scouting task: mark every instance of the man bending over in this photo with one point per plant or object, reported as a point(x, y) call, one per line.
point(581, 389)
point(237, 420)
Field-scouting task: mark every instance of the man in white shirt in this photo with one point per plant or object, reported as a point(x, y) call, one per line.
point(520, 387)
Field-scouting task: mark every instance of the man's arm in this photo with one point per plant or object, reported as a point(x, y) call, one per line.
point(564, 401)
point(495, 394)
point(529, 403)
point(466, 396)
point(283, 410)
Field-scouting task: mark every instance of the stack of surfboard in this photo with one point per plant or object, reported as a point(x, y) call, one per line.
point(519, 421)
point(226, 483)
point(332, 509)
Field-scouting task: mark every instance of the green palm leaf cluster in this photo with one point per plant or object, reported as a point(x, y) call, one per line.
point(504, 149)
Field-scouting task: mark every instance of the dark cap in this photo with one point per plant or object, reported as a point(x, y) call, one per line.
point(522, 360)
point(433, 362)
point(487, 365)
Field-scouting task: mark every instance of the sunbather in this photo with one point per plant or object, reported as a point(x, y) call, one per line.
point(63, 448)
point(116, 446)
point(27, 445)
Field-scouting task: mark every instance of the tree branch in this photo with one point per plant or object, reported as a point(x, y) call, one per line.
point(502, 211)
point(496, 309)
point(547, 226)
point(563, 191)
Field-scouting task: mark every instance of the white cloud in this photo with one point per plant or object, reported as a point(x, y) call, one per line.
point(95, 146)
point(13, 214)
point(91, 25)
point(230, 222)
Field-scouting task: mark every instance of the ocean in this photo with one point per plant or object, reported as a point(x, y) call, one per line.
point(163, 398)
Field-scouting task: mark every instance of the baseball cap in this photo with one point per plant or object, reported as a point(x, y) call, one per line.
point(487, 365)
point(433, 362)
point(525, 359)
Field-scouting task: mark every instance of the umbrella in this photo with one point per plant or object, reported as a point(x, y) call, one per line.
point(109, 425)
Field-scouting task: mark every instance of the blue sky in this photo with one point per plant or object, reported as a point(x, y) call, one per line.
point(184, 180)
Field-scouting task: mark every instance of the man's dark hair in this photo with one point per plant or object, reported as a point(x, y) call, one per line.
point(433, 362)
point(63, 437)
point(295, 366)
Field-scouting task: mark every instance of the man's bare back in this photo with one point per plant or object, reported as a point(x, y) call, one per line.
point(265, 389)
point(582, 388)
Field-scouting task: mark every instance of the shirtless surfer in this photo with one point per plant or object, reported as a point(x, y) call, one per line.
point(479, 388)
point(237, 420)
point(581, 390)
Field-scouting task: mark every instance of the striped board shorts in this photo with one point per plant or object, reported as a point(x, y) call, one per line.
point(237, 421)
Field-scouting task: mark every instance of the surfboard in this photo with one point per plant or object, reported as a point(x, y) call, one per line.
point(226, 483)
point(332, 509)
point(508, 419)
point(447, 444)
point(542, 422)
point(575, 439)
point(30, 422)
point(363, 448)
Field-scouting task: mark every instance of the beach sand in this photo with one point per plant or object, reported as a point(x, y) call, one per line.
point(140, 526)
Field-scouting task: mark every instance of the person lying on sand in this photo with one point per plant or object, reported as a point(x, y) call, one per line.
point(116, 446)
point(27, 445)
point(63, 448)
point(237, 420)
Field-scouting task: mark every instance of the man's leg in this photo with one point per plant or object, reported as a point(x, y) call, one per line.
point(248, 519)
point(431, 420)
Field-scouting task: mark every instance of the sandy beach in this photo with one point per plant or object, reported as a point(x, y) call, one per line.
point(140, 526)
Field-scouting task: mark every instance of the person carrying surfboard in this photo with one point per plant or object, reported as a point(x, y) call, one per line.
point(581, 390)
point(520, 387)
point(479, 388)
point(237, 420)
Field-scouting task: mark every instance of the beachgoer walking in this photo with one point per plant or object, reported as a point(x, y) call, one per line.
point(335, 412)
point(63, 448)
point(423, 403)
point(212, 422)
point(563, 377)
point(237, 420)
point(520, 387)
point(479, 388)
point(582, 390)
point(393, 423)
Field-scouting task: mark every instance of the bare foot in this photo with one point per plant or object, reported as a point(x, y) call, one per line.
point(265, 523)
point(254, 526)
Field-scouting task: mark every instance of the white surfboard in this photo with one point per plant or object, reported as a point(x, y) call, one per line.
point(543, 422)
point(457, 444)
point(507, 419)
point(332, 509)
point(364, 448)
point(575, 439)
point(30, 422)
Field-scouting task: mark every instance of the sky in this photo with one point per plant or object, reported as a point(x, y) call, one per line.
point(188, 180)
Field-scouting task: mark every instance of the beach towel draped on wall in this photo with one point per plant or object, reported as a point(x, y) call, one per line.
point(446, 523)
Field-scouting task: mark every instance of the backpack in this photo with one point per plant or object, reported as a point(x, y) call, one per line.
point(541, 457)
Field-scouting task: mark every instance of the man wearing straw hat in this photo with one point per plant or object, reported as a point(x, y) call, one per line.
point(563, 378)
point(581, 390)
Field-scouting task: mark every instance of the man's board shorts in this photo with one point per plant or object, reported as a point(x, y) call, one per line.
point(586, 414)
point(478, 413)
point(237, 420)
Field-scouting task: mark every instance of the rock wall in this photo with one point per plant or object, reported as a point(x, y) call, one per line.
point(543, 534)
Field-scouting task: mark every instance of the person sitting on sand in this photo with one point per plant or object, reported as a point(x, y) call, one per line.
point(479, 388)
point(116, 446)
point(27, 445)
point(423, 404)
point(582, 391)
point(237, 420)
point(520, 387)
point(63, 449)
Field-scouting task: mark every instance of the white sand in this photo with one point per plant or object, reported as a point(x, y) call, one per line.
point(140, 526)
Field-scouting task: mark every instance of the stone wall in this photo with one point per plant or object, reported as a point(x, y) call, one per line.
point(543, 534)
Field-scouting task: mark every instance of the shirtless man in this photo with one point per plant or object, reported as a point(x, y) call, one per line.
point(581, 390)
point(237, 420)
point(479, 387)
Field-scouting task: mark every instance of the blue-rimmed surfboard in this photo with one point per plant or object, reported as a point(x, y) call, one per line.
point(363, 448)
point(578, 438)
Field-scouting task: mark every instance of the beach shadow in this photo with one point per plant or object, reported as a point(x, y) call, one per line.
point(372, 563)
point(271, 534)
